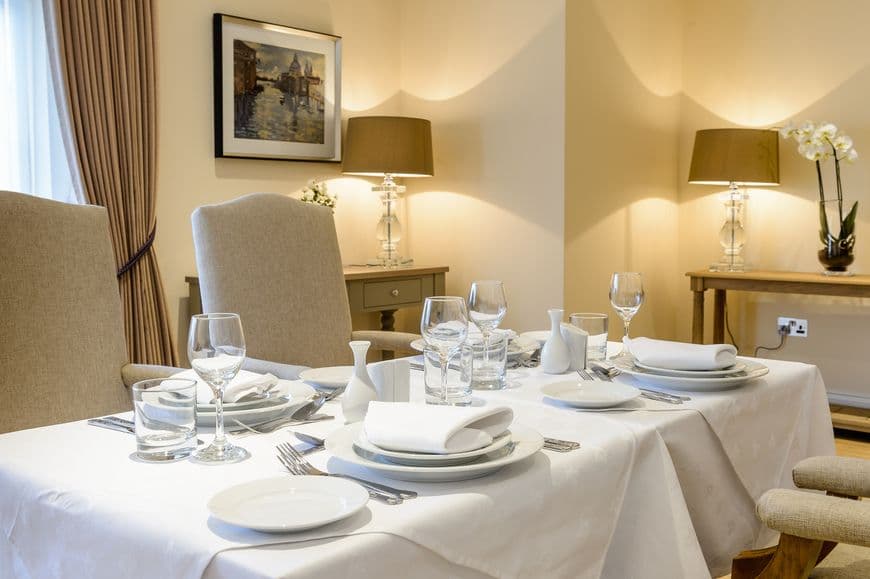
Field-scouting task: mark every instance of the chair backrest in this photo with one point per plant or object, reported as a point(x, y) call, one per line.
point(61, 327)
point(275, 261)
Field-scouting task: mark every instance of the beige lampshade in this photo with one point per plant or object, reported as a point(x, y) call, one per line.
point(744, 156)
point(400, 146)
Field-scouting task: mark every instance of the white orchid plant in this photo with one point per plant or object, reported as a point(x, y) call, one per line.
point(316, 192)
point(820, 143)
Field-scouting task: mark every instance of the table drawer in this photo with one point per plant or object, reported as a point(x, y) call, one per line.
point(378, 294)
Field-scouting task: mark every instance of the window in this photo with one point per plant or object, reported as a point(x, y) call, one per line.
point(32, 156)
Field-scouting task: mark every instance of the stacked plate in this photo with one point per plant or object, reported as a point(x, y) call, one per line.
point(590, 394)
point(350, 445)
point(327, 379)
point(284, 399)
point(693, 380)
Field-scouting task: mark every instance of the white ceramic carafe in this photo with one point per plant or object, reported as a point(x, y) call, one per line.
point(360, 390)
point(555, 355)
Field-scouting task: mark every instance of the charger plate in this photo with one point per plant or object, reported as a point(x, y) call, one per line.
point(524, 443)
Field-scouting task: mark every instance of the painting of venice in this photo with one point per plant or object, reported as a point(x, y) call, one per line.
point(278, 93)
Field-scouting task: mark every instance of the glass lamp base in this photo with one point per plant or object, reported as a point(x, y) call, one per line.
point(844, 273)
point(226, 454)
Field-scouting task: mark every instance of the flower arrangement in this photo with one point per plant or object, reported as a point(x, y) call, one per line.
point(820, 143)
point(316, 192)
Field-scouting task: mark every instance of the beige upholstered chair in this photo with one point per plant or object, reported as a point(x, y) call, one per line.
point(275, 261)
point(62, 350)
point(812, 525)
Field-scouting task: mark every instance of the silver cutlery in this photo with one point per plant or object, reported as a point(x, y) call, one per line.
point(609, 372)
point(660, 396)
point(295, 469)
point(293, 456)
point(308, 439)
point(271, 426)
point(119, 425)
point(101, 423)
point(559, 445)
point(585, 375)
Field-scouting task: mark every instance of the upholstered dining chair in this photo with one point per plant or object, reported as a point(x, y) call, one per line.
point(63, 354)
point(821, 536)
point(275, 261)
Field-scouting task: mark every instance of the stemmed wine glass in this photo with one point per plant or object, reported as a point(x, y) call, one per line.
point(216, 349)
point(626, 295)
point(487, 306)
point(444, 326)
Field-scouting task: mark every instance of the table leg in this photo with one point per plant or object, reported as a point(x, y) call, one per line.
point(719, 316)
point(388, 324)
point(698, 317)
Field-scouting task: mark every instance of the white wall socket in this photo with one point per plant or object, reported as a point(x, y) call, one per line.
point(796, 327)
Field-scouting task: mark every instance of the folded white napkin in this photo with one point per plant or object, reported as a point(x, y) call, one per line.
point(404, 426)
point(244, 383)
point(681, 356)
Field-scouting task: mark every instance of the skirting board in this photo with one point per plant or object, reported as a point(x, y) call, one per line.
point(849, 400)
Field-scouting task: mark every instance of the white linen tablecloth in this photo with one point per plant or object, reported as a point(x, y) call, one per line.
point(659, 493)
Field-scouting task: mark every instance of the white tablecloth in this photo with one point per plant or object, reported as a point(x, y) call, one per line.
point(659, 493)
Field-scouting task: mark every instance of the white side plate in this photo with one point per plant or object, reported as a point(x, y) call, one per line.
point(590, 394)
point(288, 503)
point(331, 377)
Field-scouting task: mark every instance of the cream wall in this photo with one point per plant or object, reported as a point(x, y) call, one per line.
point(488, 73)
point(190, 176)
point(752, 63)
point(490, 76)
point(623, 79)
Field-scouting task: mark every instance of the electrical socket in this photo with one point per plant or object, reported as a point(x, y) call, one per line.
point(796, 326)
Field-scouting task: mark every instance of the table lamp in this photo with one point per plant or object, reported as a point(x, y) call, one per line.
point(388, 147)
point(734, 157)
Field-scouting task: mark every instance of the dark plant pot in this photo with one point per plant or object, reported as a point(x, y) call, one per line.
point(837, 257)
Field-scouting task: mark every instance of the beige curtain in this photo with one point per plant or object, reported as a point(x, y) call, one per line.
point(106, 60)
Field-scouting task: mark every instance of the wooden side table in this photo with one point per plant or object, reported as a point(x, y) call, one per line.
point(786, 282)
point(371, 289)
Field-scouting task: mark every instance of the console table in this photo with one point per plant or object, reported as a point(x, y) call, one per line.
point(371, 289)
point(786, 282)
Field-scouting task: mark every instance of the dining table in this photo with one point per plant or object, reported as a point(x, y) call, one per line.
point(655, 490)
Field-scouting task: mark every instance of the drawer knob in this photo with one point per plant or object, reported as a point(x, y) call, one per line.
point(395, 293)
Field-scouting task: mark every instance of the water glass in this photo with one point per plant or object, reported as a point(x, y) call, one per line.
point(458, 376)
point(164, 414)
point(490, 362)
point(595, 325)
point(444, 325)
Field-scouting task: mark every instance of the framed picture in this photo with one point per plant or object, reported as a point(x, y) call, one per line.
point(277, 91)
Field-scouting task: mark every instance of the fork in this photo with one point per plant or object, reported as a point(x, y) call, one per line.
point(273, 425)
point(585, 375)
point(296, 469)
point(293, 455)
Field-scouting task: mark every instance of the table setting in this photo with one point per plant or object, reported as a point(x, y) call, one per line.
point(493, 453)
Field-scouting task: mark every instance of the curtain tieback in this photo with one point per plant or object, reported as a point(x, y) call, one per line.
point(138, 255)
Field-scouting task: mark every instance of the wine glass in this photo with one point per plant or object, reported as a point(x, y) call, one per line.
point(444, 326)
point(487, 306)
point(216, 349)
point(626, 295)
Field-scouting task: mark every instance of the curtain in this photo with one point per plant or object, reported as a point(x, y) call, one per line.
point(106, 62)
point(32, 155)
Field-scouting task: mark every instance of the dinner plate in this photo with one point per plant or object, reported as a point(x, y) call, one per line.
point(364, 448)
point(738, 367)
point(329, 378)
point(524, 443)
point(698, 384)
point(538, 336)
point(298, 394)
point(288, 503)
point(516, 347)
point(590, 394)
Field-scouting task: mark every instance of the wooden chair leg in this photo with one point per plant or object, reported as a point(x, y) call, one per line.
point(793, 558)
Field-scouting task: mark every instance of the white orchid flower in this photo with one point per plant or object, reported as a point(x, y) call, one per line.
point(788, 131)
point(842, 143)
point(852, 155)
point(806, 129)
point(825, 131)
